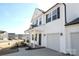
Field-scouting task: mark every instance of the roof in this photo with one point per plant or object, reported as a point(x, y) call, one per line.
point(2, 31)
point(52, 7)
point(41, 10)
point(48, 9)
point(75, 21)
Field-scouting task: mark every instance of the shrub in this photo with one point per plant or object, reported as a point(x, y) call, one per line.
point(28, 41)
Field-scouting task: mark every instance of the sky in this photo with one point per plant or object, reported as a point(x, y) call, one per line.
point(14, 17)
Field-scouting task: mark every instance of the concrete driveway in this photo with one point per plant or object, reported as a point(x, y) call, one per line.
point(36, 52)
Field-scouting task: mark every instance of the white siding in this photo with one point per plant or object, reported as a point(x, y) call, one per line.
point(70, 30)
point(72, 11)
point(53, 41)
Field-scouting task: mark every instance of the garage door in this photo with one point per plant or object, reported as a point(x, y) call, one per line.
point(75, 43)
point(53, 41)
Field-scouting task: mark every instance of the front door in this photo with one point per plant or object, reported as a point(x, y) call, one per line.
point(39, 39)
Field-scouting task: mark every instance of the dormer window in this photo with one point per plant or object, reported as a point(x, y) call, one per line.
point(48, 17)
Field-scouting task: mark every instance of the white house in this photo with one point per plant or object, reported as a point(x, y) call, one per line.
point(21, 36)
point(57, 28)
point(3, 35)
point(11, 36)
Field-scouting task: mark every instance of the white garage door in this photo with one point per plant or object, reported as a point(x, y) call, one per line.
point(75, 43)
point(53, 41)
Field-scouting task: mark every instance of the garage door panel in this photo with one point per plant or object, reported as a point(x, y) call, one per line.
point(75, 43)
point(53, 41)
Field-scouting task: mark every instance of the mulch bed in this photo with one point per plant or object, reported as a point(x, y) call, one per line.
point(30, 48)
point(8, 51)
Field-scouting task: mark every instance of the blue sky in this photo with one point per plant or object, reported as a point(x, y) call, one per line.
point(15, 17)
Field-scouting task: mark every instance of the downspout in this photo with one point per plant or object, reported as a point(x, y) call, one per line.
point(65, 13)
point(67, 53)
point(65, 21)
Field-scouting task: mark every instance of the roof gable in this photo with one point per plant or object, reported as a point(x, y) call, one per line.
point(37, 13)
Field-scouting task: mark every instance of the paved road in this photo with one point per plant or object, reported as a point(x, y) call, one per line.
point(36, 52)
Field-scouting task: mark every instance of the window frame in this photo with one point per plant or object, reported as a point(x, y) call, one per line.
point(56, 13)
point(40, 21)
point(35, 37)
point(48, 17)
point(32, 37)
point(36, 22)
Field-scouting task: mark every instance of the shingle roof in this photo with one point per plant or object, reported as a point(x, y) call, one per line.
point(75, 21)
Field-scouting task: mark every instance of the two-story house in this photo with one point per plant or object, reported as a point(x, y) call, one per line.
point(57, 28)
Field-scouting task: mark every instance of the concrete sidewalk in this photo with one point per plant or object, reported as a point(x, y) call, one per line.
point(36, 52)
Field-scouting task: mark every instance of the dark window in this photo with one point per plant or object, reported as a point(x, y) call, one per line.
point(48, 17)
point(35, 37)
point(54, 17)
point(56, 14)
point(32, 37)
point(40, 22)
point(36, 23)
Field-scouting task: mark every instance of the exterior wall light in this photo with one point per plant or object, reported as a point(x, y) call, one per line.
point(44, 34)
point(61, 34)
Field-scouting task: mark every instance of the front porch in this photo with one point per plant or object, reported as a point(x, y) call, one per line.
point(35, 37)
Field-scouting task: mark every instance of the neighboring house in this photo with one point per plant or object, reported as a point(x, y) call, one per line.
point(56, 28)
point(11, 36)
point(27, 35)
point(21, 36)
point(16, 36)
point(3, 35)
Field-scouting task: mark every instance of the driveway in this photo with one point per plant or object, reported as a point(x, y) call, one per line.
point(36, 52)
